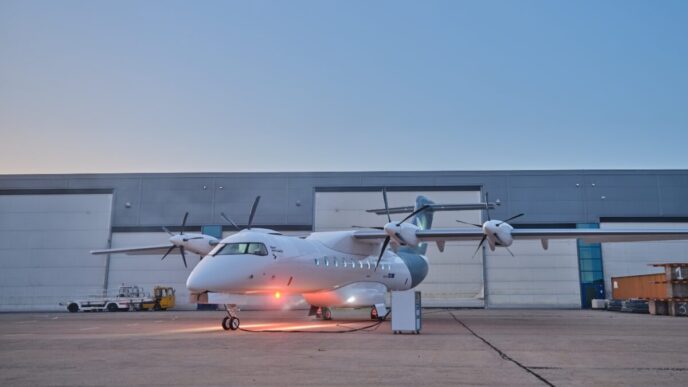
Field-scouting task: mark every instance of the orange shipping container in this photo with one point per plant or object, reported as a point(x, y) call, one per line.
point(638, 286)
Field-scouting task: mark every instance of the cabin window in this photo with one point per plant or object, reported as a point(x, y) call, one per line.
point(317, 262)
point(327, 262)
point(252, 248)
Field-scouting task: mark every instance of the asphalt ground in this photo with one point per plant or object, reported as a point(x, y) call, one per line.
point(455, 347)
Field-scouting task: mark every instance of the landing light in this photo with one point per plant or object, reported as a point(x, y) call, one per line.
point(351, 299)
point(278, 294)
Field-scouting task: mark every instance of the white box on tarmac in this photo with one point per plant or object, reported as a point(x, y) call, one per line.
point(406, 312)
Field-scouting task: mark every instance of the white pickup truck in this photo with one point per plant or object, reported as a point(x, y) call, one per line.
point(127, 298)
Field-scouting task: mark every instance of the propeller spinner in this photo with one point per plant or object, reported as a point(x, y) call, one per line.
point(495, 232)
point(177, 240)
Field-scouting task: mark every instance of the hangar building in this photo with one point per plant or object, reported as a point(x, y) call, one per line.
point(49, 223)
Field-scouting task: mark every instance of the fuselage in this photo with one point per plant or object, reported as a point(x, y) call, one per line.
point(260, 261)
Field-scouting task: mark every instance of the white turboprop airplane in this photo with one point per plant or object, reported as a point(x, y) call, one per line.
point(200, 244)
point(354, 268)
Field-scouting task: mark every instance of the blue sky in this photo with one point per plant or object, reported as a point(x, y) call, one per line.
point(164, 86)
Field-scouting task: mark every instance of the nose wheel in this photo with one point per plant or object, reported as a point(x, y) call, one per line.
point(231, 321)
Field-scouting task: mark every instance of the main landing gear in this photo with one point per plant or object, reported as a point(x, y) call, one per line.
point(373, 313)
point(231, 321)
point(378, 312)
point(324, 312)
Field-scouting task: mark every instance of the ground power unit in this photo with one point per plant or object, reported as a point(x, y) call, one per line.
point(406, 312)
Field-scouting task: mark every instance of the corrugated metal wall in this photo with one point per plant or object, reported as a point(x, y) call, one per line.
point(44, 248)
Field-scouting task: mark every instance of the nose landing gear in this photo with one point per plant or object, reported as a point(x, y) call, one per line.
point(231, 321)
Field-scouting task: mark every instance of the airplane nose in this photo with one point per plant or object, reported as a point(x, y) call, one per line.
point(193, 283)
point(201, 277)
point(211, 274)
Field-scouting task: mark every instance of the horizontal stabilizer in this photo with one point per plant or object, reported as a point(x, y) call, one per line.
point(436, 207)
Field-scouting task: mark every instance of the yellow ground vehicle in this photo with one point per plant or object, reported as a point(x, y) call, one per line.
point(163, 299)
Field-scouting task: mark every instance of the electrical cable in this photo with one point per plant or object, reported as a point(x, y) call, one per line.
point(371, 327)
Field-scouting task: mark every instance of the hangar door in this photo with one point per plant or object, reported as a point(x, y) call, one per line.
point(632, 258)
point(533, 277)
point(455, 278)
point(44, 248)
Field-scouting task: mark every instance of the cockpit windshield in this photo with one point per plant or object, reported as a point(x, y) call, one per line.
point(253, 248)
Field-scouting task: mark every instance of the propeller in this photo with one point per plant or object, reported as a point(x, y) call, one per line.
point(492, 233)
point(512, 218)
point(250, 217)
point(181, 248)
point(388, 238)
point(253, 212)
point(487, 209)
point(229, 220)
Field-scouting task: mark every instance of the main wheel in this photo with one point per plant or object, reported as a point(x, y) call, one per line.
point(73, 307)
point(234, 323)
point(112, 307)
point(327, 314)
point(225, 324)
point(373, 313)
point(157, 306)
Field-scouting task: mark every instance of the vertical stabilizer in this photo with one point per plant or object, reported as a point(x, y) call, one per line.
point(424, 221)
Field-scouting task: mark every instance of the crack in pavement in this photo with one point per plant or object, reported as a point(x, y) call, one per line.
point(502, 354)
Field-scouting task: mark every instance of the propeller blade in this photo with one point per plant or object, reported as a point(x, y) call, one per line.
point(167, 231)
point(470, 224)
point(186, 215)
point(181, 249)
point(487, 200)
point(384, 196)
point(512, 218)
point(480, 245)
point(507, 249)
point(229, 220)
point(253, 212)
point(373, 227)
point(425, 207)
point(190, 239)
point(382, 252)
point(168, 251)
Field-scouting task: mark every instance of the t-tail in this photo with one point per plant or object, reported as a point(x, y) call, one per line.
point(424, 221)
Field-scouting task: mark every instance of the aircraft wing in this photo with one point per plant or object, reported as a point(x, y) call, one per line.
point(143, 250)
point(586, 234)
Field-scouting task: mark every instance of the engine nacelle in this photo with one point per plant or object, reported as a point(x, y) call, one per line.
point(403, 234)
point(498, 233)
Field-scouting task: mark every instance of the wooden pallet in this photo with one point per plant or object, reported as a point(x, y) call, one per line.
point(670, 307)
